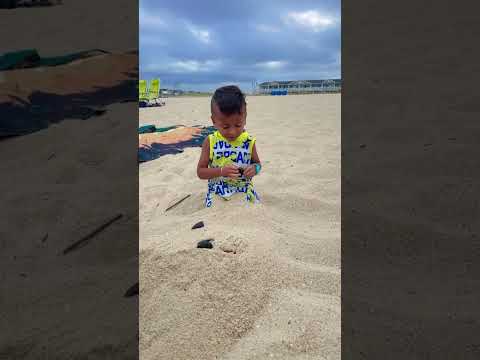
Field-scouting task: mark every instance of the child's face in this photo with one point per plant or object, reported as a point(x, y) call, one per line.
point(230, 126)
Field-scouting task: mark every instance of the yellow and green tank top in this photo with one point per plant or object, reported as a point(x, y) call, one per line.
point(224, 152)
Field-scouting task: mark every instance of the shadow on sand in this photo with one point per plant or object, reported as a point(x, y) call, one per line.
point(45, 108)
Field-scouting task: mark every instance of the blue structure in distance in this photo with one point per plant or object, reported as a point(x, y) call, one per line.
point(279, 92)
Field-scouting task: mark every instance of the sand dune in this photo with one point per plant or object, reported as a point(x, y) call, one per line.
point(270, 287)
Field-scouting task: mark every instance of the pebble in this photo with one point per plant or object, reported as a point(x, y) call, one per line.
point(205, 244)
point(132, 291)
point(198, 225)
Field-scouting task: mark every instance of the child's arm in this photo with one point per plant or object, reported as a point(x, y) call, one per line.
point(250, 169)
point(205, 173)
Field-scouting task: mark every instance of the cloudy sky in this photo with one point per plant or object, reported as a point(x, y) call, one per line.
point(201, 45)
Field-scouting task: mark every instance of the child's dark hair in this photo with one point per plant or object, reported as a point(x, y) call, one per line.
point(229, 99)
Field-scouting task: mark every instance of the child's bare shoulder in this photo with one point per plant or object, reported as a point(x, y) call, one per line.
point(206, 141)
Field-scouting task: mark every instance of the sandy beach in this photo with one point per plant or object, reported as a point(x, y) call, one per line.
point(60, 187)
point(270, 287)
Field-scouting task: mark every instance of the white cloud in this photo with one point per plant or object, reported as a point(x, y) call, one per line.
point(309, 44)
point(153, 40)
point(195, 66)
point(267, 28)
point(310, 19)
point(201, 35)
point(185, 66)
point(151, 20)
point(338, 58)
point(272, 65)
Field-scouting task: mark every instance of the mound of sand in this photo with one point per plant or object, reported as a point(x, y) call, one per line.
point(80, 76)
point(170, 137)
point(270, 287)
point(58, 192)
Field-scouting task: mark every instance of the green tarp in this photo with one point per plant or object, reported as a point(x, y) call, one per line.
point(145, 129)
point(30, 58)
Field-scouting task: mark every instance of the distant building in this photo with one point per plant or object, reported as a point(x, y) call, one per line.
point(301, 86)
point(171, 92)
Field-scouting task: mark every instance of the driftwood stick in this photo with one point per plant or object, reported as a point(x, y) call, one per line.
point(178, 202)
point(83, 240)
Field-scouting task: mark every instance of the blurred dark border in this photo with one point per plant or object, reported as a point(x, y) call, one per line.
point(68, 159)
point(410, 170)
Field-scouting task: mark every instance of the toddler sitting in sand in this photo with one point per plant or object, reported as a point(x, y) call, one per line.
point(229, 158)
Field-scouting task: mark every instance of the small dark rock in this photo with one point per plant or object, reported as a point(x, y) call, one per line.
point(99, 112)
point(205, 244)
point(132, 291)
point(23, 275)
point(198, 225)
point(363, 146)
point(45, 238)
point(428, 144)
point(452, 138)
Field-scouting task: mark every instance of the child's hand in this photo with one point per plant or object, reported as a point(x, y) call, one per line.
point(250, 171)
point(230, 171)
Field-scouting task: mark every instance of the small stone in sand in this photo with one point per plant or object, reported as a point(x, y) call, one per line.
point(205, 244)
point(198, 225)
point(133, 290)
